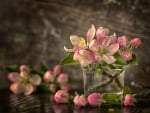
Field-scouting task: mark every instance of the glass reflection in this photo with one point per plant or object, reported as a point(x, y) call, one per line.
point(61, 108)
point(22, 103)
point(44, 104)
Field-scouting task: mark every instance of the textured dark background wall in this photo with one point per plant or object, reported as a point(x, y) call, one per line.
point(34, 31)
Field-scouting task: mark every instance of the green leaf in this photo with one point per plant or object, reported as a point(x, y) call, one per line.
point(42, 88)
point(111, 98)
point(12, 68)
point(116, 66)
point(43, 68)
point(120, 60)
point(33, 72)
point(68, 60)
point(126, 90)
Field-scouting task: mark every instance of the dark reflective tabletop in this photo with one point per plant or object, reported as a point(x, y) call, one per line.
point(43, 103)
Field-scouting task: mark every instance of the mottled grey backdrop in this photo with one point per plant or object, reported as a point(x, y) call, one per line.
point(34, 31)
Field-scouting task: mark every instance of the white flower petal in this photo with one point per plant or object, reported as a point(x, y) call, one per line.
point(91, 33)
point(14, 77)
point(35, 80)
point(113, 38)
point(101, 34)
point(112, 49)
point(68, 50)
point(108, 59)
point(29, 88)
point(106, 42)
point(93, 45)
point(16, 88)
point(75, 40)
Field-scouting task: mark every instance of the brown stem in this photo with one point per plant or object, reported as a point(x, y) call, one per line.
point(104, 73)
point(106, 82)
point(102, 84)
point(118, 83)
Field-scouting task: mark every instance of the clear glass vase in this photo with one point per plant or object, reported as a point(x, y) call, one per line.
point(106, 82)
point(88, 80)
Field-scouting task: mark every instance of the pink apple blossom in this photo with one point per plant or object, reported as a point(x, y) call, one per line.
point(24, 83)
point(94, 99)
point(57, 69)
point(61, 96)
point(122, 41)
point(106, 50)
point(62, 78)
point(135, 42)
point(49, 76)
point(129, 100)
point(127, 55)
point(80, 42)
point(80, 101)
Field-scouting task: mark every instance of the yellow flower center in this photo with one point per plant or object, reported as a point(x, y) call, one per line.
point(25, 81)
point(82, 42)
point(102, 50)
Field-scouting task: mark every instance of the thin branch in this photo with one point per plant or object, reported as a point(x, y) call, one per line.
point(118, 83)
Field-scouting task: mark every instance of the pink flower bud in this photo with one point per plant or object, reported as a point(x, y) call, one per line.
point(24, 68)
point(62, 78)
point(61, 96)
point(48, 76)
point(127, 55)
point(122, 41)
point(52, 87)
point(94, 99)
point(128, 100)
point(135, 42)
point(16, 88)
point(14, 77)
point(80, 101)
point(57, 69)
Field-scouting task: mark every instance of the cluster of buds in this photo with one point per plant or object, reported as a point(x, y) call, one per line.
point(101, 47)
point(26, 82)
point(23, 81)
point(56, 79)
point(93, 99)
